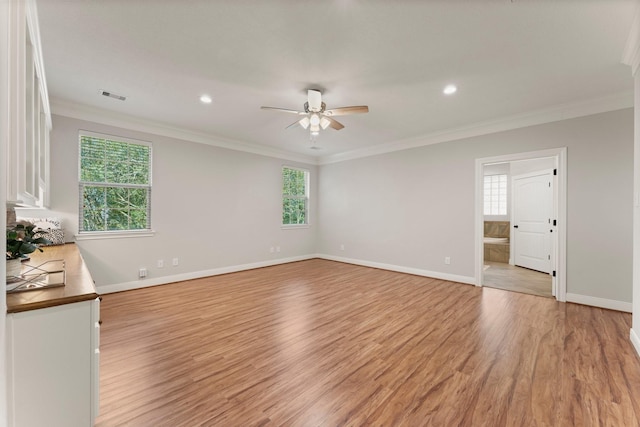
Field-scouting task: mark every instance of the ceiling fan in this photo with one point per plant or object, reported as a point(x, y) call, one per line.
point(316, 115)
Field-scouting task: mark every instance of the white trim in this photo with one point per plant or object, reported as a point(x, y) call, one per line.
point(128, 122)
point(553, 114)
point(154, 281)
point(609, 304)
point(118, 138)
point(402, 269)
point(98, 235)
point(33, 27)
point(560, 154)
point(635, 340)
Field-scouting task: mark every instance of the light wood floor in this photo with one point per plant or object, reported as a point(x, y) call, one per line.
point(518, 279)
point(321, 343)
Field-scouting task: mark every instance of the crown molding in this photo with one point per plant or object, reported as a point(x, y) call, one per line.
point(557, 113)
point(98, 115)
point(631, 52)
point(548, 115)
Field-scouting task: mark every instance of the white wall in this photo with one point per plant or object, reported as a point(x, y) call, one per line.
point(413, 208)
point(4, 138)
point(211, 208)
point(635, 322)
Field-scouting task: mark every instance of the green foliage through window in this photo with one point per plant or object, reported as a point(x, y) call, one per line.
point(295, 196)
point(115, 184)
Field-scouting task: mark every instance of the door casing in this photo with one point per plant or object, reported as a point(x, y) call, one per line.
point(559, 238)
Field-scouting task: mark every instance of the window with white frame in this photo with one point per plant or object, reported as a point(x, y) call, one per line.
point(495, 194)
point(115, 184)
point(295, 196)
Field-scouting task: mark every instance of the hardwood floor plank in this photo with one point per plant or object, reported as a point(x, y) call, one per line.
point(323, 343)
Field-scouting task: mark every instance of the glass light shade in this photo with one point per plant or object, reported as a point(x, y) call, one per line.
point(324, 123)
point(304, 122)
point(314, 120)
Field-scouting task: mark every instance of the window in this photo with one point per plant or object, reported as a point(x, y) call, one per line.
point(495, 194)
point(295, 196)
point(115, 184)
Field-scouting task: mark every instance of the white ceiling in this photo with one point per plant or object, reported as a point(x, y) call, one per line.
point(508, 58)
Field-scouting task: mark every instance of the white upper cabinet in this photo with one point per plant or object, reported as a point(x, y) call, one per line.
point(30, 116)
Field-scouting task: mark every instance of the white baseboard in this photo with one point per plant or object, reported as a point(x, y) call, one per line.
point(635, 340)
point(610, 304)
point(401, 269)
point(155, 281)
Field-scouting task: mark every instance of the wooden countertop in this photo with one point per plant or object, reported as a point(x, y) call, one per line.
point(79, 284)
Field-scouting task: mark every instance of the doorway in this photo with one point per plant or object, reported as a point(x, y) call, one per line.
point(527, 241)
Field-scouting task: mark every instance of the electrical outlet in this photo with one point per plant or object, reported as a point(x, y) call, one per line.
point(447, 260)
point(277, 248)
point(175, 262)
point(160, 263)
point(342, 247)
point(272, 249)
point(142, 273)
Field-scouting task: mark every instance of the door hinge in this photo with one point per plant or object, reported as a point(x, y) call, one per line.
point(554, 273)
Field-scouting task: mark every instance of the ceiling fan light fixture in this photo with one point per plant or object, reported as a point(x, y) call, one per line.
point(315, 133)
point(304, 122)
point(314, 120)
point(315, 128)
point(324, 123)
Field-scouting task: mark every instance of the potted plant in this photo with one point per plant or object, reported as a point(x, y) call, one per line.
point(22, 239)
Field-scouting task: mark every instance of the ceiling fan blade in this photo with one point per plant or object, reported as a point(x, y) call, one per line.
point(284, 110)
point(314, 98)
point(343, 111)
point(294, 124)
point(334, 124)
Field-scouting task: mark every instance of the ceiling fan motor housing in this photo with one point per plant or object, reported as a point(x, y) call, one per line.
point(323, 106)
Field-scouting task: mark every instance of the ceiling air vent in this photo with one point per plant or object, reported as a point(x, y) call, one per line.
point(113, 95)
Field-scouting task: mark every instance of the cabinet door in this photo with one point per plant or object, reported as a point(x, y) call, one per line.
point(51, 361)
point(27, 164)
point(95, 345)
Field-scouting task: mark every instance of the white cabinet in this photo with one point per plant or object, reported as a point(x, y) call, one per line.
point(54, 359)
point(29, 112)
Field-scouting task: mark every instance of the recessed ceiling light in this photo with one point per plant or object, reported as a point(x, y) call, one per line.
point(206, 99)
point(450, 89)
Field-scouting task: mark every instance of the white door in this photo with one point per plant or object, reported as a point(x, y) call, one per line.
point(532, 211)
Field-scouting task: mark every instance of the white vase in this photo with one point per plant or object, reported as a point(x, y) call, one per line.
point(14, 268)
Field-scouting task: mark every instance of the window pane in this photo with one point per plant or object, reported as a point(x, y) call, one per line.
point(94, 198)
point(117, 197)
point(294, 196)
point(123, 205)
point(293, 211)
point(93, 220)
point(138, 219)
point(117, 219)
point(495, 195)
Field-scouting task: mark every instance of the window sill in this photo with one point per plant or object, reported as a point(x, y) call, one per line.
point(114, 235)
point(294, 226)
